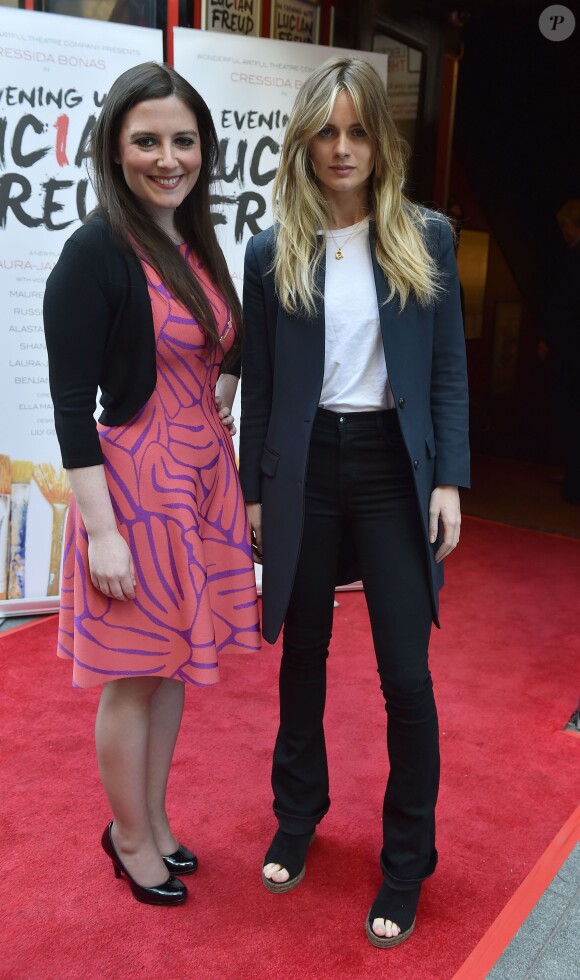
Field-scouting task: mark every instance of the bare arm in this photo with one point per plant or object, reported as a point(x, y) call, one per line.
point(255, 520)
point(110, 563)
point(225, 392)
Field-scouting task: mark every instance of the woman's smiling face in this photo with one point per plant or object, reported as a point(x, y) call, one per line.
point(160, 154)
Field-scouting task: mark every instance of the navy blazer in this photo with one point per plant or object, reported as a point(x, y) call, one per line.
point(282, 374)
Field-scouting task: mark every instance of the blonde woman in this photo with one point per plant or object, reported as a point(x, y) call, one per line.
point(353, 445)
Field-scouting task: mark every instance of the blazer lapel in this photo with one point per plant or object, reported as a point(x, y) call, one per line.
point(394, 322)
point(300, 351)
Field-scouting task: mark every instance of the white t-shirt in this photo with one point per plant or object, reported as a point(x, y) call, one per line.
point(355, 372)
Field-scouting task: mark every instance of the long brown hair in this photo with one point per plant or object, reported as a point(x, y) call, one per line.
point(132, 224)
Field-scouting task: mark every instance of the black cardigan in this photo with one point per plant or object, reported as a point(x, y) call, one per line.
point(99, 333)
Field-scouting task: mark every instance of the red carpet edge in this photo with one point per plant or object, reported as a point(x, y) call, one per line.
point(519, 527)
point(502, 931)
point(11, 630)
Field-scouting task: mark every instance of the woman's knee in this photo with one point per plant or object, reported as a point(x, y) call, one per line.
point(304, 647)
point(125, 690)
point(408, 688)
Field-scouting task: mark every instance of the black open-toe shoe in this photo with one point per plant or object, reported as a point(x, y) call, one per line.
point(398, 906)
point(289, 851)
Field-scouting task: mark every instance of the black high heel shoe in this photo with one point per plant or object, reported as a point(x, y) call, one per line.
point(170, 892)
point(181, 862)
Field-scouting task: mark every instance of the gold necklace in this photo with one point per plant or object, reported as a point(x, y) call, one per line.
point(339, 254)
point(228, 327)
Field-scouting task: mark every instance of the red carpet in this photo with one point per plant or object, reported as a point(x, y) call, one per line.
point(514, 914)
point(507, 675)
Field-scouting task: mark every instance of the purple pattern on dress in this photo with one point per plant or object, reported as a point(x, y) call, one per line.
point(173, 481)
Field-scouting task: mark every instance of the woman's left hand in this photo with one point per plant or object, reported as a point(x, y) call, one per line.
point(226, 416)
point(444, 506)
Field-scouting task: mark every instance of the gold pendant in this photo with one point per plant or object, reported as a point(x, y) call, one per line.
point(339, 254)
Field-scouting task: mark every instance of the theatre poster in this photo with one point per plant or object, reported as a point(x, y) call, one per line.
point(55, 74)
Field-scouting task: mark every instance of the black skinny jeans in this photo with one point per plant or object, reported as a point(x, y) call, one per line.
point(359, 475)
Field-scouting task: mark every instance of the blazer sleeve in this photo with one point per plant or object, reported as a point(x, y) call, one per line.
point(257, 376)
point(449, 394)
point(76, 324)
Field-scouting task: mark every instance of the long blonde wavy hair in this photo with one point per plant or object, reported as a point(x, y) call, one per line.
point(301, 210)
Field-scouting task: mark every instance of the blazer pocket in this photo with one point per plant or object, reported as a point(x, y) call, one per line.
point(430, 443)
point(269, 462)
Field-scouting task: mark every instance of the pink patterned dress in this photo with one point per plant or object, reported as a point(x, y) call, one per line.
point(173, 480)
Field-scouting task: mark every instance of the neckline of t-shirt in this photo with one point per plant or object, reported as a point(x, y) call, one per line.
point(356, 228)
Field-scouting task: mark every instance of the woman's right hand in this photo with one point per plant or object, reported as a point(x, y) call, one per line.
point(111, 565)
point(255, 520)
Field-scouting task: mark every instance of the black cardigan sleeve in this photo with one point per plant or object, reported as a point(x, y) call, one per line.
point(99, 333)
point(77, 318)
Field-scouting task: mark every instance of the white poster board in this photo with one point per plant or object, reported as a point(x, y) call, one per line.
point(55, 73)
point(249, 85)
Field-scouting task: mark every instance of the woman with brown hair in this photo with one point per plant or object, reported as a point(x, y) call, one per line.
point(158, 574)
